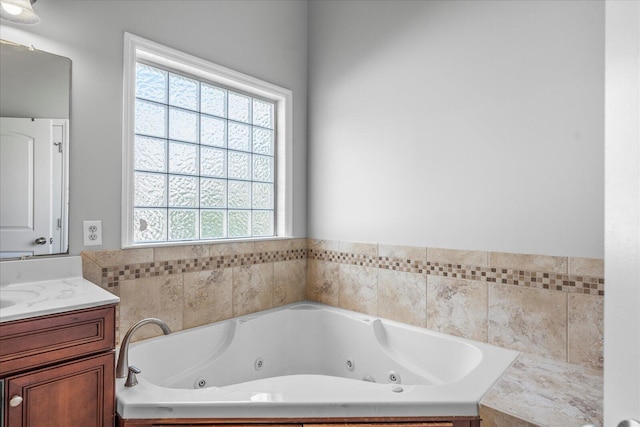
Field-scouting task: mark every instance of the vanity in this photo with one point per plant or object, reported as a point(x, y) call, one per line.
point(57, 345)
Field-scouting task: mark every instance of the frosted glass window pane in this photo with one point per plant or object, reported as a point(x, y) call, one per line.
point(262, 223)
point(183, 158)
point(183, 125)
point(183, 92)
point(151, 119)
point(183, 224)
point(262, 196)
point(239, 165)
point(213, 224)
point(213, 100)
point(149, 189)
point(263, 141)
point(239, 194)
point(239, 223)
point(213, 193)
point(213, 162)
point(262, 114)
point(149, 225)
point(183, 191)
point(239, 136)
point(262, 168)
point(213, 131)
point(150, 154)
point(204, 164)
point(239, 107)
point(151, 83)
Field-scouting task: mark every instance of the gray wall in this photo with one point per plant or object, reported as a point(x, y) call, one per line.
point(458, 124)
point(266, 39)
point(468, 125)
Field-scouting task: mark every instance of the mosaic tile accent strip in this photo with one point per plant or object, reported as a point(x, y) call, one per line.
point(111, 276)
point(532, 279)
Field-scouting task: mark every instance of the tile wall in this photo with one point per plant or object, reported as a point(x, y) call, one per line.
point(543, 305)
point(193, 285)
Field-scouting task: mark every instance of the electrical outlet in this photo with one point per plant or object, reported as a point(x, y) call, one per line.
point(92, 232)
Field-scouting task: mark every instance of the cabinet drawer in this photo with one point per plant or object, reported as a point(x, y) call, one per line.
point(29, 343)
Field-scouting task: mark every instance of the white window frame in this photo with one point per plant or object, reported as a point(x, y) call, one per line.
point(139, 49)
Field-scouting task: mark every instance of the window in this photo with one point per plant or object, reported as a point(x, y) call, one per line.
point(206, 150)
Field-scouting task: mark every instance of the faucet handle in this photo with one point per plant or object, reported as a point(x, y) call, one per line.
point(131, 376)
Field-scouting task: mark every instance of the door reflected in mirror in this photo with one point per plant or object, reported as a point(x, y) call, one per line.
point(34, 151)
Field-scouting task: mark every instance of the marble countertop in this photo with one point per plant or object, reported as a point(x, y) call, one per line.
point(536, 391)
point(38, 287)
point(31, 299)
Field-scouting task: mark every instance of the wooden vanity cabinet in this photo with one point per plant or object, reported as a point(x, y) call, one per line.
point(58, 370)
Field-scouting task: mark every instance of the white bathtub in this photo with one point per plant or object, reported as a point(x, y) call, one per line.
point(309, 360)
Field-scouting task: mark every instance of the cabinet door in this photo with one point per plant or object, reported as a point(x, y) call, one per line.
point(79, 393)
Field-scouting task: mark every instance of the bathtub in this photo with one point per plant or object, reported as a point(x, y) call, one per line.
point(309, 360)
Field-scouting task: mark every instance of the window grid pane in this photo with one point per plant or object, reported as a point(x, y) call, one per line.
point(204, 160)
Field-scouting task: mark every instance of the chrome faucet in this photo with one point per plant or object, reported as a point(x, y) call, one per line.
point(123, 356)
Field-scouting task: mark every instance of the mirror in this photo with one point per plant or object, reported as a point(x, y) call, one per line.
point(34, 151)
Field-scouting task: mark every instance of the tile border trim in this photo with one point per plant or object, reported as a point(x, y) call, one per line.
point(532, 279)
point(112, 275)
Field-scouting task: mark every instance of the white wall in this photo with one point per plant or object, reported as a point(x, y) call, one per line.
point(265, 39)
point(622, 319)
point(458, 124)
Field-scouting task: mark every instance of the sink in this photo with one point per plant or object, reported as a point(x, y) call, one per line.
point(10, 298)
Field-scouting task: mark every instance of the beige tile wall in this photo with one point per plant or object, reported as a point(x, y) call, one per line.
point(193, 285)
point(543, 305)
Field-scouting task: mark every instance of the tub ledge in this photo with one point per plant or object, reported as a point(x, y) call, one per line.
point(537, 392)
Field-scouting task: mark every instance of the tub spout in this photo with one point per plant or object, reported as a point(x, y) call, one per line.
point(123, 356)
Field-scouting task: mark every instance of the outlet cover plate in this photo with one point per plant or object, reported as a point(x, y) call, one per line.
point(92, 233)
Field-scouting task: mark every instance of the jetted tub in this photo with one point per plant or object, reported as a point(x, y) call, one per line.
point(309, 360)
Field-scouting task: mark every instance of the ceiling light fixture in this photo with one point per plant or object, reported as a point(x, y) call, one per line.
point(18, 12)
